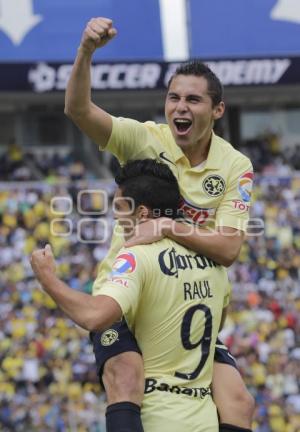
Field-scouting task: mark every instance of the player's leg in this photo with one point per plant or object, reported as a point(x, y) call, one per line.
point(234, 403)
point(121, 372)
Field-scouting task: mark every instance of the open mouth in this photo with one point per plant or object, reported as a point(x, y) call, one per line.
point(182, 125)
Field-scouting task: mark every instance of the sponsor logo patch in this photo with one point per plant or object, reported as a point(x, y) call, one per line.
point(214, 185)
point(152, 384)
point(240, 205)
point(109, 337)
point(171, 263)
point(195, 214)
point(163, 156)
point(124, 264)
point(119, 281)
point(245, 186)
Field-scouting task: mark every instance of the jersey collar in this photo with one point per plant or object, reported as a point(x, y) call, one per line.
point(214, 158)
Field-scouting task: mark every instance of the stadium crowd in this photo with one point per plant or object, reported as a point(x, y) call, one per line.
point(18, 164)
point(47, 375)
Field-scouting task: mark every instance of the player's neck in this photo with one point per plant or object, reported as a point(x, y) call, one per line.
point(197, 155)
point(134, 231)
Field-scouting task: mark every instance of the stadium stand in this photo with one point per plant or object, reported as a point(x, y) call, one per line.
point(47, 375)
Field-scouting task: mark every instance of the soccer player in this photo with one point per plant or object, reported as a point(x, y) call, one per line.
point(215, 184)
point(172, 298)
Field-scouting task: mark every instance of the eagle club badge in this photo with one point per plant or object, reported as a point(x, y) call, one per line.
point(109, 337)
point(214, 185)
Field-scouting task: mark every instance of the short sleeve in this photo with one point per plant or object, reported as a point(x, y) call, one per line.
point(105, 266)
point(125, 283)
point(129, 139)
point(227, 294)
point(233, 210)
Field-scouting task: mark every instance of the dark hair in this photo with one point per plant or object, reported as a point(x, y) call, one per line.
point(151, 183)
point(197, 68)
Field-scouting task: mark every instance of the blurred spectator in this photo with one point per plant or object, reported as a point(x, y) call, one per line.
point(47, 376)
point(267, 156)
point(18, 164)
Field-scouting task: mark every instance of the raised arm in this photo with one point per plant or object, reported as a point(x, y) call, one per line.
point(91, 119)
point(90, 313)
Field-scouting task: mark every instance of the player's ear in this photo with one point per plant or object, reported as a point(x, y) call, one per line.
point(218, 110)
point(143, 212)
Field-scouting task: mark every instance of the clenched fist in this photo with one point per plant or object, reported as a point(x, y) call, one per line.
point(97, 33)
point(43, 264)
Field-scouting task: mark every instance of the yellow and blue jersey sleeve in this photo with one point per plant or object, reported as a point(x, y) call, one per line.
point(233, 210)
point(126, 280)
point(131, 139)
point(105, 266)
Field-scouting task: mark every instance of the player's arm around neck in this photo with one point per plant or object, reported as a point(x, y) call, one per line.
point(91, 119)
point(222, 245)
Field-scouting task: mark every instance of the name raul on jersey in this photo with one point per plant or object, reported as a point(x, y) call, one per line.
point(197, 290)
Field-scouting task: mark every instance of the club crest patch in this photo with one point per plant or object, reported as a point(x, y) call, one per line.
point(245, 186)
point(214, 185)
point(109, 337)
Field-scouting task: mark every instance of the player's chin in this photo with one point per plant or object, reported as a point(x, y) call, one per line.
point(183, 142)
point(182, 138)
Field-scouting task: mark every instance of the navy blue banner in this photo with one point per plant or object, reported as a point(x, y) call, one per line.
point(49, 77)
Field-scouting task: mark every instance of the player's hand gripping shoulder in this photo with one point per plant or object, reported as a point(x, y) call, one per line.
point(149, 231)
point(98, 32)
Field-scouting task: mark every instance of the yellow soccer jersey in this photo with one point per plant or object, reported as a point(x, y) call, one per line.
point(216, 194)
point(172, 299)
